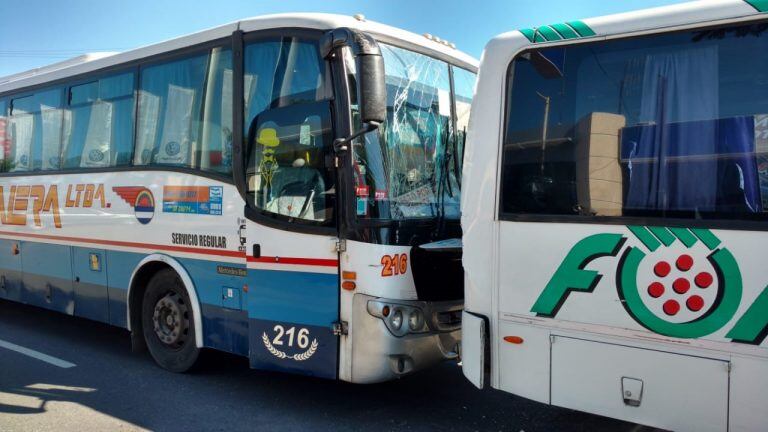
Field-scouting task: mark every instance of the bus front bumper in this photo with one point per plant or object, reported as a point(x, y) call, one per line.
point(380, 354)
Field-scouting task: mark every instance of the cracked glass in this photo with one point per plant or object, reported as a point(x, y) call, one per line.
point(410, 166)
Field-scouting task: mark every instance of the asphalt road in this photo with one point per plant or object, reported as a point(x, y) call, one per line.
point(110, 388)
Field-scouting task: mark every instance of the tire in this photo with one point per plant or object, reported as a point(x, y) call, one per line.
point(168, 322)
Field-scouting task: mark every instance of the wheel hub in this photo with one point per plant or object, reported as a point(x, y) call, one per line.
point(170, 319)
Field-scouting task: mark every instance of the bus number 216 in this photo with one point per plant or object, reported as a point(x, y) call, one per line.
point(394, 265)
point(302, 338)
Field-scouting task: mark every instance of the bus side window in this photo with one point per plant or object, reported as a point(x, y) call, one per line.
point(99, 123)
point(185, 113)
point(664, 126)
point(170, 101)
point(35, 132)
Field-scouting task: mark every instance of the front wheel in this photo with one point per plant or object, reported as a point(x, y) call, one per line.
point(168, 322)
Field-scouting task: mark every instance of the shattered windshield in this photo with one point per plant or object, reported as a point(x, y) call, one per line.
point(411, 166)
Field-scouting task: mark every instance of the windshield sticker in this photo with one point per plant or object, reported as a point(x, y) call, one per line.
point(305, 135)
point(206, 200)
point(422, 195)
point(381, 195)
point(268, 165)
point(444, 102)
point(362, 191)
point(362, 206)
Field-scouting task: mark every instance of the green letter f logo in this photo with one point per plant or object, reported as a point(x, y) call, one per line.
point(571, 275)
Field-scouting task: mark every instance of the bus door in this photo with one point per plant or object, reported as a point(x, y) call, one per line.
point(290, 235)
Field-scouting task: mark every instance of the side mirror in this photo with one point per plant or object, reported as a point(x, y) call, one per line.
point(372, 89)
point(371, 86)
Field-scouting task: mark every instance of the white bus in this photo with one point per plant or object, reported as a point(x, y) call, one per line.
point(614, 199)
point(209, 192)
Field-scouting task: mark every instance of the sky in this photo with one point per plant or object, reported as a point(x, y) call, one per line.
point(39, 32)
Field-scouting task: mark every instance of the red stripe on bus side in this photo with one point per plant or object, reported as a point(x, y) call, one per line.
point(226, 253)
point(296, 261)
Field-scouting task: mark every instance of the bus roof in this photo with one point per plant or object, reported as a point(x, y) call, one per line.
point(95, 61)
point(640, 21)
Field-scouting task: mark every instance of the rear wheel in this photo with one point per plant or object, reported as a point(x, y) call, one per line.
point(168, 322)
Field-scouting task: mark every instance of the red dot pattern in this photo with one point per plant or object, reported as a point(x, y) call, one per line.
point(671, 307)
point(662, 268)
point(694, 303)
point(684, 262)
point(681, 285)
point(656, 289)
point(703, 280)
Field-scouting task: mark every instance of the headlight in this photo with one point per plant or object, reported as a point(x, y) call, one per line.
point(400, 318)
point(397, 319)
point(415, 320)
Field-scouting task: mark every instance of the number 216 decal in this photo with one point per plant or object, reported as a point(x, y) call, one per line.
point(394, 265)
point(288, 337)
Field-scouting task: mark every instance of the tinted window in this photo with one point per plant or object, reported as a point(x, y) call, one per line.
point(282, 72)
point(289, 127)
point(674, 125)
point(99, 127)
point(185, 113)
point(34, 132)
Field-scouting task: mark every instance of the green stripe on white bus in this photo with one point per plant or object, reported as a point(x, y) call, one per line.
point(760, 5)
point(645, 237)
point(555, 32)
point(662, 234)
point(685, 236)
point(548, 33)
point(582, 29)
point(565, 31)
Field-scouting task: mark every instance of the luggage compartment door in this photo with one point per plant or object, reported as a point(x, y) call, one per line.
point(654, 388)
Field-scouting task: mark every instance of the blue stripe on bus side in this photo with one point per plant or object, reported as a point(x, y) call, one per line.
point(120, 266)
point(225, 329)
point(297, 302)
point(301, 298)
point(295, 297)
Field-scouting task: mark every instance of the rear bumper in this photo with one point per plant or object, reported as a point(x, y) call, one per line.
point(378, 355)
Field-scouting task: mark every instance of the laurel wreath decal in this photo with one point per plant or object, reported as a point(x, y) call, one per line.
point(280, 354)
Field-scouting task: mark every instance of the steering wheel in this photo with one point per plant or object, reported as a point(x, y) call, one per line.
point(301, 186)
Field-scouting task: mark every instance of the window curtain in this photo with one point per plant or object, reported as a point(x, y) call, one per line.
point(682, 156)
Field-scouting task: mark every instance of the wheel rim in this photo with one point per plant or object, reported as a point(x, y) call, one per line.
point(171, 320)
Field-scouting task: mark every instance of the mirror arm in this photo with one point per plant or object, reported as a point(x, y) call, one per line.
point(361, 43)
point(341, 145)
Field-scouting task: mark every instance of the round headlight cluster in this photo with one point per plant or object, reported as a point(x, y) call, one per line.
point(400, 319)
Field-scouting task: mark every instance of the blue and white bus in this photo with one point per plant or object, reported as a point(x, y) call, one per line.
point(285, 188)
